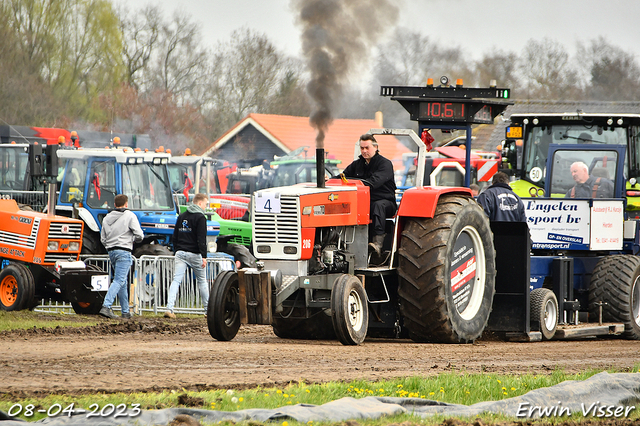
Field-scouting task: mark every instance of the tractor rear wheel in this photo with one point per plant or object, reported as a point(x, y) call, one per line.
point(349, 310)
point(544, 312)
point(615, 282)
point(447, 272)
point(17, 287)
point(223, 312)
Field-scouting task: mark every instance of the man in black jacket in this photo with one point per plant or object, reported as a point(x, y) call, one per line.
point(376, 172)
point(190, 245)
point(500, 203)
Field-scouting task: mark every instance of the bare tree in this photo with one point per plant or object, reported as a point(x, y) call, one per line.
point(501, 67)
point(249, 74)
point(611, 73)
point(140, 32)
point(180, 62)
point(547, 71)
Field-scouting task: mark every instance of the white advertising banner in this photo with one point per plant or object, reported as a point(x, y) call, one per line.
point(607, 225)
point(558, 223)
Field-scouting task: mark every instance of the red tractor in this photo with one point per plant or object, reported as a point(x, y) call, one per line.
point(311, 241)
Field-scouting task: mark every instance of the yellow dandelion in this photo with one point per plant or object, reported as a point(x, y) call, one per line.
point(285, 423)
point(308, 391)
point(499, 381)
point(286, 395)
point(279, 391)
point(432, 393)
point(512, 388)
point(399, 386)
point(240, 399)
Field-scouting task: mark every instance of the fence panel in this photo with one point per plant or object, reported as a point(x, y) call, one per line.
point(149, 280)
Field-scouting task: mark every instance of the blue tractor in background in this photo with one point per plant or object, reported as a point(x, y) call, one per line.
point(91, 178)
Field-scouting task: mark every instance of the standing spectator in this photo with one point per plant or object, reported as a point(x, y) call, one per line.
point(190, 245)
point(120, 228)
point(475, 189)
point(500, 203)
point(376, 172)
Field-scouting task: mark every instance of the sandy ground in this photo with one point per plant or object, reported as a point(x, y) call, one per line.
point(152, 354)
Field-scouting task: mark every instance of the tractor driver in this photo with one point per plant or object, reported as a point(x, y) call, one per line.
point(376, 172)
point(588, 186)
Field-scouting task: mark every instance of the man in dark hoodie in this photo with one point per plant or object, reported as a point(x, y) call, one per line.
point(500, 203)
point(120, 228)
point(376, 172)
point(190, 245)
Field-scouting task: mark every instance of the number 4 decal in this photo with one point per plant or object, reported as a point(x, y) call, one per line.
point(267, 202)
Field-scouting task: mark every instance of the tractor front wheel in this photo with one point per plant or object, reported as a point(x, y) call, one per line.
point(17, 287)
point(350, 313)
point(223, 312)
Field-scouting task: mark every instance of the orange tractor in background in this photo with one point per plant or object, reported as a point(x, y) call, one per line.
point(40, 253)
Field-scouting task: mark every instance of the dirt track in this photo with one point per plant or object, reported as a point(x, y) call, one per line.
point(154, 354)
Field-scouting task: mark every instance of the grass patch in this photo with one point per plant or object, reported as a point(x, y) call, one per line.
point(454, 387)
point(22, 320)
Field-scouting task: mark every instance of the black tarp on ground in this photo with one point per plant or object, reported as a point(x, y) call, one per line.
point(586, 398)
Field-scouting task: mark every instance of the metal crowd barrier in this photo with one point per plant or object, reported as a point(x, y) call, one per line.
point(37, 200)
point(149, 280)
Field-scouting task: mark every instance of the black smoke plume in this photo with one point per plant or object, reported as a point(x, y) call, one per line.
point(337, 36)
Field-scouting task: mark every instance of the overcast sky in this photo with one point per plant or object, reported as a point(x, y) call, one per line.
point(475, 26)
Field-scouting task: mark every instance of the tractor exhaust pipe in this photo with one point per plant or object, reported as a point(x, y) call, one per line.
point(320, 167)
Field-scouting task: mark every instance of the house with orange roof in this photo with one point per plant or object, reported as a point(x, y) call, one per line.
point(259, 137)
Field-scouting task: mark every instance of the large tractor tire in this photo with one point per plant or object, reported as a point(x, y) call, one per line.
point(223, 312)
point(318, 326)
point(544, 312)
point(350, 313)
point(152, 250)
point(91, 243)
point(615, 282)
point(17, 288)
point(447, 273)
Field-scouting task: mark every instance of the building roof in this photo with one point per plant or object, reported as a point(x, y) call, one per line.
point(290, 133)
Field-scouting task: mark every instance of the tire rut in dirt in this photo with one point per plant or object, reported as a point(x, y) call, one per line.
point(616, 281)
point(425, 270)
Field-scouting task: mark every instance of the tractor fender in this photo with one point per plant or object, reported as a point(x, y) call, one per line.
point(422, 202)
point(88, 219)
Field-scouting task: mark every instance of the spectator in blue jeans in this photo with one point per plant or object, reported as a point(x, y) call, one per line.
point(190, 245)
point(120, 229)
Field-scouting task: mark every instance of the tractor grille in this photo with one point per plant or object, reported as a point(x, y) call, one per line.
point(53, 256)
point(65, 230)
point(26, 241)
point(280, 228)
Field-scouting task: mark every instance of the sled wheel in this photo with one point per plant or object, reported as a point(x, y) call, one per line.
point(223, 312)
point(615, 281)
point(349, 310)
point(86, 308)
point(447, 272)
point(17, 287)
point(544, 312)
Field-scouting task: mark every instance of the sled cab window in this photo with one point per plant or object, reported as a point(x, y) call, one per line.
point(13, 168)
point(584, 174)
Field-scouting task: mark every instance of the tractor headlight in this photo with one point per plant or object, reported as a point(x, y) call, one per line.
point(74, 246)
point(52, 246)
